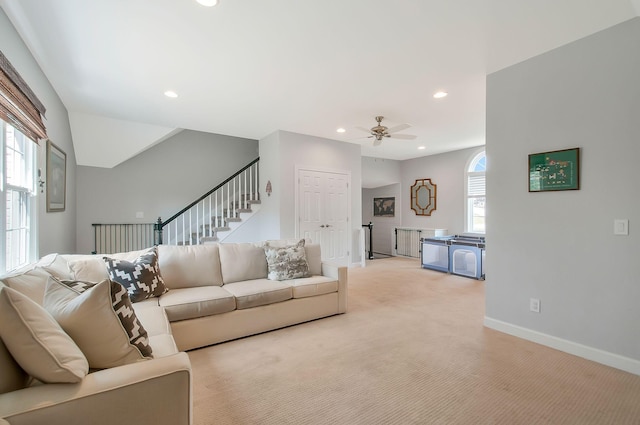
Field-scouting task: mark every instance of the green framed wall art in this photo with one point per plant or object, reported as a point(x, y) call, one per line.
point(555, 170)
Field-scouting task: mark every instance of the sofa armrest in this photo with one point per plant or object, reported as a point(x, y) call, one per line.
point(154, 391)
point(340, 273)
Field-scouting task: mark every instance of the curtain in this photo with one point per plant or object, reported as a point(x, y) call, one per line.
point(19, 106)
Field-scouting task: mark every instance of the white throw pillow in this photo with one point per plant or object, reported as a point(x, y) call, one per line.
point(100, 319)
point(37, 342)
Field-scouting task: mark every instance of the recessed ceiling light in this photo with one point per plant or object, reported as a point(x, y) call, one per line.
point(171, 94)
point(440, 94)
point(208, 3)
point(422, 147)
point(341, 130)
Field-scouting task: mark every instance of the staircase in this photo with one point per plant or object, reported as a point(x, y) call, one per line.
point(216, 214)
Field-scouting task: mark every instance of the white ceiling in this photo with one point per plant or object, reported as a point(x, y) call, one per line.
point(249, 67)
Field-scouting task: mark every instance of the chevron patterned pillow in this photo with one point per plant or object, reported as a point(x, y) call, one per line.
point(100, 319)
point(141, 277)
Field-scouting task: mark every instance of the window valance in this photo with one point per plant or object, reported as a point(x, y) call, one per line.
point(19, 106)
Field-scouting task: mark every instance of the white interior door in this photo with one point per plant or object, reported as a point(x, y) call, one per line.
point(323, 207)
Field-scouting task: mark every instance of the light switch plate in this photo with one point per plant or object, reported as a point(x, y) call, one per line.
point(621, 226)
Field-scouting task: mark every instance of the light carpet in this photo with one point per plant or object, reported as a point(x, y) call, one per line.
point(411, 349)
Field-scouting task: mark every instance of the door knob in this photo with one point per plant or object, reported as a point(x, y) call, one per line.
point(322, 225)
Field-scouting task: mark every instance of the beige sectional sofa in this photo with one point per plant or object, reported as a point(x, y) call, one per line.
point(214, 293)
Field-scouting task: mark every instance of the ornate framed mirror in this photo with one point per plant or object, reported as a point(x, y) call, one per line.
point(423, 197)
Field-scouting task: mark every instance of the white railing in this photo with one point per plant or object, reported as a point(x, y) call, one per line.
point(200, 221)
point(408, 242)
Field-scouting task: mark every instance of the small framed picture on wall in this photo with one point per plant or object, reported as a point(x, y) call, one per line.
point(56, 178)
point(384, 207)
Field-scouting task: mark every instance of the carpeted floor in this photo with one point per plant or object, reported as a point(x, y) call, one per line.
point(410, 350)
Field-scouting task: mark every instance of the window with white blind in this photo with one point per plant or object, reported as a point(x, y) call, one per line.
point(18, 197)
point(476, 200)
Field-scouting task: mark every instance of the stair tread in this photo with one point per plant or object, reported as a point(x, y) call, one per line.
point(222, 229)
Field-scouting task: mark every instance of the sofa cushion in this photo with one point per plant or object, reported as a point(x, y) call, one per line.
point(153, 319)
point(314, 285)
point(141, 276)
point(100, 319)
point(37, 342)
point(163, 345)
point(55, 265)
point(253, 293)
point(288, 262)
point(242, 261)
point(88, 269)
point(190, 266)
point(29, 280)
point(91, 268)
point(189, 303)
point(13, 377)
point(314, 258)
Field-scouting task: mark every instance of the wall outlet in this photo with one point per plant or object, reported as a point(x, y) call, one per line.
point(534, 305)
point(621, 226)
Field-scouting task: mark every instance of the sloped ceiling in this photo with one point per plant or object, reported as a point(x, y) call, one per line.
point(249, 67)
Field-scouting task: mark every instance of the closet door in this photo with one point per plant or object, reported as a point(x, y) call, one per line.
point(323, 209)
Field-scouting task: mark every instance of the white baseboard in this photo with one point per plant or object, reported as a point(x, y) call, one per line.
point(604, 357)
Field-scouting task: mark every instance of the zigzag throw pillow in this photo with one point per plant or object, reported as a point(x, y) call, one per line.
point(141, 277)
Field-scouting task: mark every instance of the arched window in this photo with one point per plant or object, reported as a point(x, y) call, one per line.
point(476, 200)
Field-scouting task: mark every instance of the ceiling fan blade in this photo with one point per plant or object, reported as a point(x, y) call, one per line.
point(359, 138)
point(403, 136)
point(364, 129)
point(399, 127)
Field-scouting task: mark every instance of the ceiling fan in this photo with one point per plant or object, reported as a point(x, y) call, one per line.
point(380, 131)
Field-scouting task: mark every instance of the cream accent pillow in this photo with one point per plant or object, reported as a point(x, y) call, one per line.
point(91, 269)
point(28, 281)
point(37, 342)
point(289, 262)
point(55, 265)
point(100, 319)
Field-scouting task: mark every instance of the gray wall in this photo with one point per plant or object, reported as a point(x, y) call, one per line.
point(559, 247)
point(280, 154)
point(446, 170)
point(159, 181)
point(377, 172)
point(56, 230)
point(382, 226)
